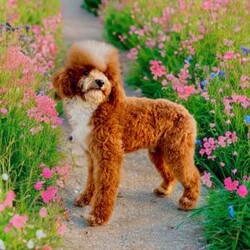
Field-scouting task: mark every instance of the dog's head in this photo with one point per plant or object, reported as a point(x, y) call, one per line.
point(91, 71)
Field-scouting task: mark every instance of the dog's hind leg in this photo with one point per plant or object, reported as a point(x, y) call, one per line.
point(189, 176)
point(85, 197)
point(166, 187)
point(180, 157)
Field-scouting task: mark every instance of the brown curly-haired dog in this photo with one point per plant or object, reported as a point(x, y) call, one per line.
point(108, 124)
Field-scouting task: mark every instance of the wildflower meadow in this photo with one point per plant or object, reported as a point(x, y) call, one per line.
point(197, 53)
point(31, 212)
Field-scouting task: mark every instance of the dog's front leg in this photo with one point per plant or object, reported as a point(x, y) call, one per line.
point(85, 197)
point(107, 168)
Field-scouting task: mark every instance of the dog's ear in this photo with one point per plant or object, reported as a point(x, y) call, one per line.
point(113, 73)
point(63, 82)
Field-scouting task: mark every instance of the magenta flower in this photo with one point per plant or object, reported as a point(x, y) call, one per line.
point(242, 191)
point(230, 185)
point(49, 194)
point(47, 173)
point(39, 185)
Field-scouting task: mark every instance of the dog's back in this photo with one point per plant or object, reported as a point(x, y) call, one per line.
point(144, 121)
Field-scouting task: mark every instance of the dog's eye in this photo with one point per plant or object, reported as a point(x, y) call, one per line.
point(85, 72)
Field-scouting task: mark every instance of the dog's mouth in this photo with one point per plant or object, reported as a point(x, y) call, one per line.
point(94, 96)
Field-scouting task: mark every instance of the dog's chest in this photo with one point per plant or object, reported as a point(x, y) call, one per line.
point(79, 114)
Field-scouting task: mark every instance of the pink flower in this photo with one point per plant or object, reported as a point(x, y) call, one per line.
point(156, 20)
point(164, 82)
point(7, 228)
point(45, 111)
point(61, 229)
point(206, 179)
point(132, 54)
point(16, 221)
point(245, 178)
point(15, 59)
point(47, 173)
point(52, 49)
point(62, 170)
point(242, 191)
point(2, 207)
point(12, 4)
point(230, 185)
point(3, 111)
point(229, 55)
point(150, 43)
point(3, 90)
point(157, 69)
point(42, 165)
point(9, 199)
point(43, 212)
point(39, 185)
point(161, 46)
point(36, 29)
point(185, 91)
point(234, 171)
point(49, 194)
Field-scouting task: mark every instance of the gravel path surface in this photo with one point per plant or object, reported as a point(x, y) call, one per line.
point(140, 220)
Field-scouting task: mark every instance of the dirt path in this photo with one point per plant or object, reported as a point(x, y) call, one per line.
point(140, 220)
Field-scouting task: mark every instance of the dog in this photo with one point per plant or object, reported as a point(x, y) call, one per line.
point(107, 124)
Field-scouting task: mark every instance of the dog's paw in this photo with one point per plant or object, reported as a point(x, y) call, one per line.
point(162, 192)
point(94, 220)
point(82, 200)
point(186, 204)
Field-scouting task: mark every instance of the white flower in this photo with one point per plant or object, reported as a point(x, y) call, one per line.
point(2, 246)
point(30, 244)
point(5, 177)
point(40, 234)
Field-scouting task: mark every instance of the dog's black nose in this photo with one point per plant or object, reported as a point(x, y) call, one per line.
point(70, 138)
point(99, 82)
